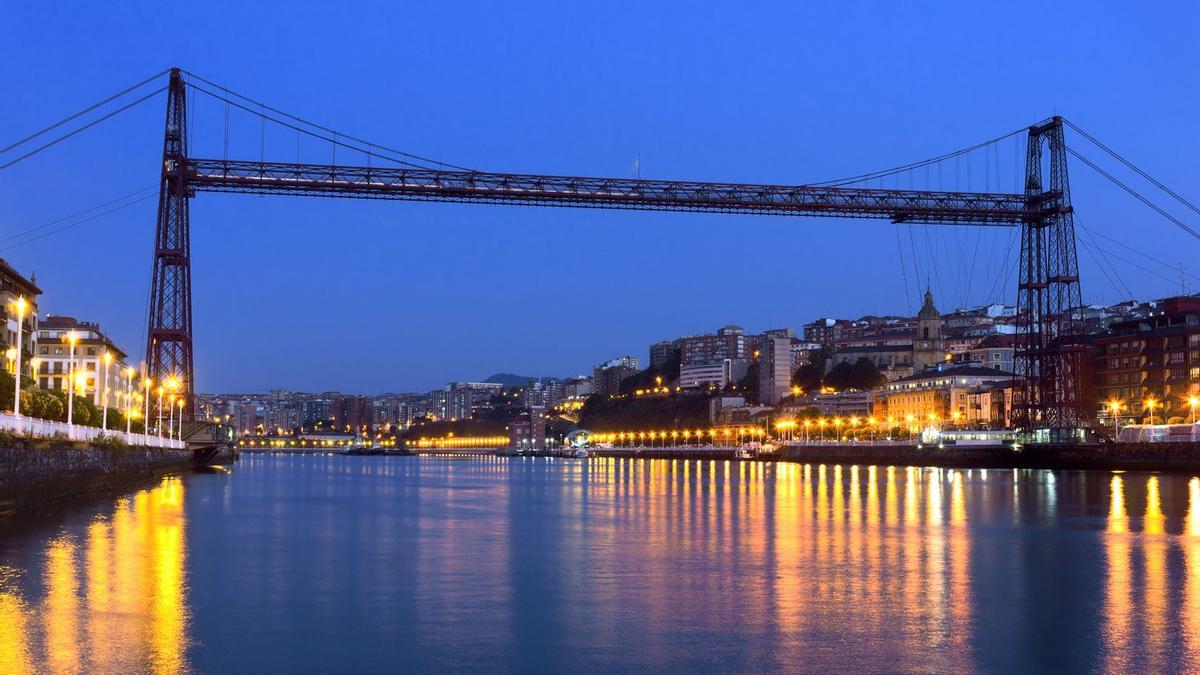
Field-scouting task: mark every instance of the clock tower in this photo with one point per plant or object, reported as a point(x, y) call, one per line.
point(928, 347)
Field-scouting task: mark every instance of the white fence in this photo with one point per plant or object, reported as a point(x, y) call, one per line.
point(46, 429)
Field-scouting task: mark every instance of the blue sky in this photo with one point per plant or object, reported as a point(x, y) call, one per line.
point(364, 296)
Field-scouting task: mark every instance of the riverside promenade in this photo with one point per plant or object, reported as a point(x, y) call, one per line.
point(44, 462)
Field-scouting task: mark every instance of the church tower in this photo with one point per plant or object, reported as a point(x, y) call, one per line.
point(928, 347)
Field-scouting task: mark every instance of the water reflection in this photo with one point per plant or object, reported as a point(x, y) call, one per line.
point(613, 564)
point(109, 597)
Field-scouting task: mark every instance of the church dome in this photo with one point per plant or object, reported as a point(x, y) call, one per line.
point(928, 311)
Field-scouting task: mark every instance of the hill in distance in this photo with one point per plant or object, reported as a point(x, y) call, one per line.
point(513, 380)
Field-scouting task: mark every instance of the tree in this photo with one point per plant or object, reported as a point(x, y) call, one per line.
point(807, 377)
point(748, 385)
point(862, 375)
point(865, 375)
point(46, 405)
point(820, 357)
point(840, 376)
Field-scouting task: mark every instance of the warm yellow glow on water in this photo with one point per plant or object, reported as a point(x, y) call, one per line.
point(811, 565)
point(113, 598)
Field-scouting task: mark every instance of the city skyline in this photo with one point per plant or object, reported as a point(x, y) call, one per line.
point(617, 272)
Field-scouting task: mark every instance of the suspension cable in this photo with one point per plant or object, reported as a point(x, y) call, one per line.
point(77, 214)
point(85, 127)
point(314, 125)
point(1131, 165)
point(68, 226)
point(85, 111)
point(914, 165)
point(331, 139)
point(1133, 192)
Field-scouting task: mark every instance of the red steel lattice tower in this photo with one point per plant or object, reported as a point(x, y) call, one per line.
point(169, 334)
point(1050, 352)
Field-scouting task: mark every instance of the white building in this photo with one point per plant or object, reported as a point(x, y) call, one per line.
point(774, 370)
point(54, 359)
point(719, 374)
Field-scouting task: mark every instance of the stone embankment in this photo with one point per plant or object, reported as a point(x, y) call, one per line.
point(31, 477)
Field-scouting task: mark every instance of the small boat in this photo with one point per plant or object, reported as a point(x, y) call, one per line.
point(579, 453)
point(742, 453)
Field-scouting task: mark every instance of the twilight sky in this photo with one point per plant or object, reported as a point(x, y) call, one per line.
point(372, 296)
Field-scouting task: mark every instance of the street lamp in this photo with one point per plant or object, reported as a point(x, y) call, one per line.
point(147, 383)
point(107, 363)
point(128, 399)
point(1150, 404)
point(80, 384)
point(1193, 401)
point(1115, 407)
point(21, 306)
point(71, 339)
point(179, 435)
point(160, 412)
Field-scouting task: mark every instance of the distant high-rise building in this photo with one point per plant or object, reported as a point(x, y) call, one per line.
point(826, 331)
point(606, 377)
point(245, 416)
point(774, 370)
point(661, 352)
point(577, 387)
point(730, 342)
point(351, 412)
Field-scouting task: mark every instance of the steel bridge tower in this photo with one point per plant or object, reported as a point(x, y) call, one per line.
point(1050, 353)
point(169, 334)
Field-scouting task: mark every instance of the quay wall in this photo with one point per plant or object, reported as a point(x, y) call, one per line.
point(1115, 456)
point(35, 477)
point(665, 453)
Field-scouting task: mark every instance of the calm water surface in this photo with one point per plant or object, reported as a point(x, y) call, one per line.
point(436, 564)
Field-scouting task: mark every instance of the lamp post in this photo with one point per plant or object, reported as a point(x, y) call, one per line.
point(1193, 402)
point(170, 416)
point(1115, 407)
point(179, 434)
point(159, 427)
point(107, 363)
point(1149, 405)
point(72, 338)
point(21, 306)
point(128, 400)
point(147, 383)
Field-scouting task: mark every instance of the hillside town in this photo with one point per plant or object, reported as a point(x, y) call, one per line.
point(900, 374)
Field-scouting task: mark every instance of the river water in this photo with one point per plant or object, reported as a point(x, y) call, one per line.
point(322, 563)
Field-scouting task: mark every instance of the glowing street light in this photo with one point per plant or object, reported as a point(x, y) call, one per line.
point(108, 358)
point(147, 385)
point(72, 338)
point(160, 412)
point(1150, 404)
point(1115, 407)
point(128, 398)
point(179, 434)
point(21, 306)
point(1193, 402)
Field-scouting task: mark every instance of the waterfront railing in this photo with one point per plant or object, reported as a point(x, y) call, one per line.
point(38, 428)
